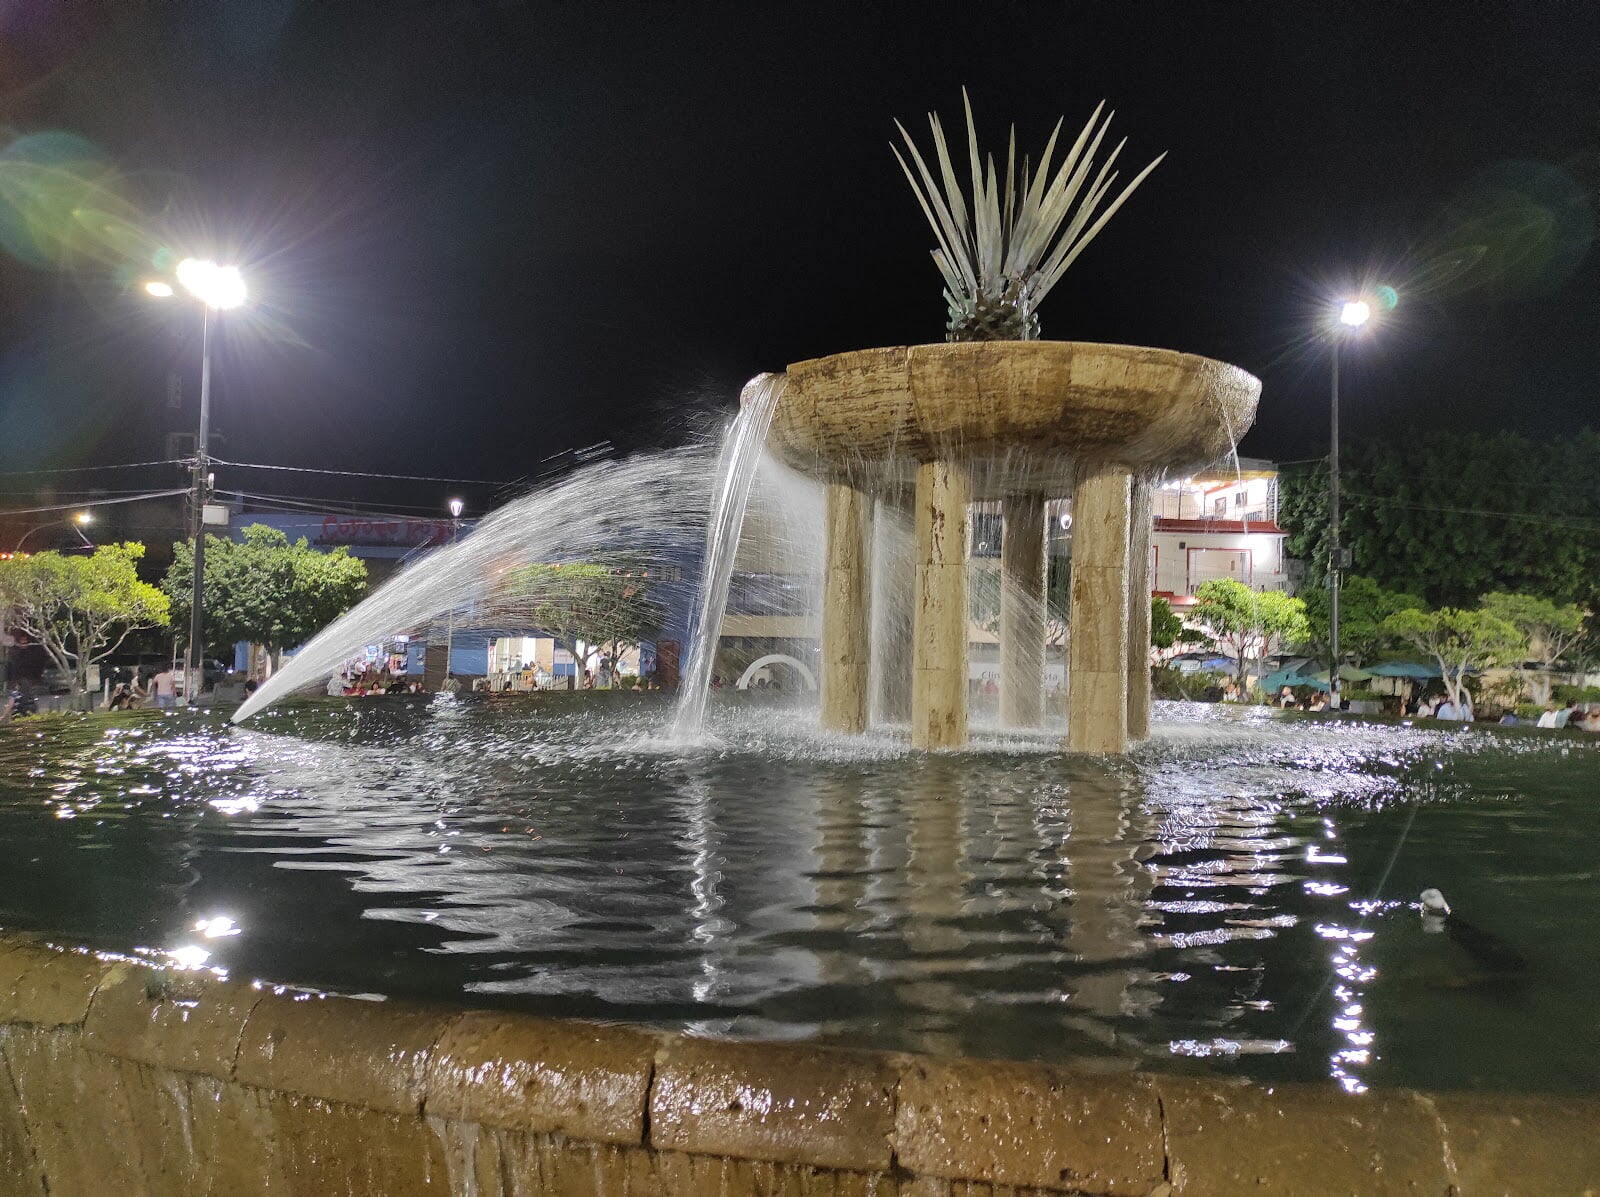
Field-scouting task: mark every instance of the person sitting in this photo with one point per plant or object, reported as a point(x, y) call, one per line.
point(1446, 709)
point(1569, 716)
point(1509, 719)
point(1286, 698)
point(121, 698)
point(1319, 702)
point(1548, 717)
point(1591, 720)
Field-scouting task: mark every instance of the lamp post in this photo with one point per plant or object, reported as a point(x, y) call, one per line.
point(1353, 314)
point(456, 508)
point(216, 288)
point(78, 522)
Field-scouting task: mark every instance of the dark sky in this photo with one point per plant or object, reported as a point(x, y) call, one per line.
point(483, 232)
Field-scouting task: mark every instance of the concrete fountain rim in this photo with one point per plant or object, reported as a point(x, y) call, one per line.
point(1061, 404)
point(85, 1032)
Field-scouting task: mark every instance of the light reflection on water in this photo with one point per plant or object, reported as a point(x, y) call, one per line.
point(1237, 898)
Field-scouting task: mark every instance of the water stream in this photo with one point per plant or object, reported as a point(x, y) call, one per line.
point(736, 470)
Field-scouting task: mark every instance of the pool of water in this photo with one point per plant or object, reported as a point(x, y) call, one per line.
point(1239, 897)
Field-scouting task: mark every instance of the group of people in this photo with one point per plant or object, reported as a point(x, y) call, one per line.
point(1288, 701)
point(1554, 715)
point(359, 685)
point(132, 689)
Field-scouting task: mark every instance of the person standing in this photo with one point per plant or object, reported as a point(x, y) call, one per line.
point(165, 687)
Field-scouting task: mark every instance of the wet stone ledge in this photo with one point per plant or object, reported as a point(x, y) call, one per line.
point(120, 1078)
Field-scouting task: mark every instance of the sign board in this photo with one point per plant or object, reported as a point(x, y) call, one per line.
point(214, 515)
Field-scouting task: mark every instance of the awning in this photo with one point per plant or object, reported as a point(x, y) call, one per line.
point(1408, 669)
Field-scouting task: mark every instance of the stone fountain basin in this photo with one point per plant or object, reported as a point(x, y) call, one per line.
point(869, 416)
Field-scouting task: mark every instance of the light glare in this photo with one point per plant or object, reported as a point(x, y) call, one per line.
point(215, 286)
point(456, 508)
point(158, 289)
point(1355, 313)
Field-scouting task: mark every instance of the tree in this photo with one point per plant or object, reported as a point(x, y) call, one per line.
point(1450, 515)
point(1165, 626)
point(589, 609)
point(265, 589)
point(1551, 631)
point(1247, 624)
point(80, 608)
point(1363, 607)
point(1459, 641)
point(983, 591)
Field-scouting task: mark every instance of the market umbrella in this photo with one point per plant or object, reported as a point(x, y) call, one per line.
point(1408, 669)
point(1274, 682)
point(1347, 673)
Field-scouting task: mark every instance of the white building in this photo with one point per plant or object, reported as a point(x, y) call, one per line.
point(1218, 523)
point(1221, 523)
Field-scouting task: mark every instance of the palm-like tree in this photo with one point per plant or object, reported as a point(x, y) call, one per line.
point(1003, 248)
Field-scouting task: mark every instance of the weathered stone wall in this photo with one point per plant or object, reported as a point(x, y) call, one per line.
point(120, 1079)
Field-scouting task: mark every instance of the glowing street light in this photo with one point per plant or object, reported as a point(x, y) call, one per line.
point(78, 521)
point(1354, 315)
point(1355, 312)
point(217, 288)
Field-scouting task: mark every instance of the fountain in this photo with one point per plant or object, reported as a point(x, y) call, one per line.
point(1051, 976)
point(996, 414)
point(1021, 422)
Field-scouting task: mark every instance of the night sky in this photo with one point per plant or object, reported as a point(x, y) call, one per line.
point(480, 233)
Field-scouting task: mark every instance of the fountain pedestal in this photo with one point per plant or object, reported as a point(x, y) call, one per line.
point(1008, 420)
point(1024, 576)
point(847, 610)
point(1097, 657)
point(939, 616)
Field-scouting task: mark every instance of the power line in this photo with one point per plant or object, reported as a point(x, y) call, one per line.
point(248, 465)
point(154, 494)
point(1545, 520)
point(295, 503)
point(126, 465)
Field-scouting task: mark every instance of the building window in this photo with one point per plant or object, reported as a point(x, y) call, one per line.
point(1219, 505)
point(1240, 498)
point(987, 528)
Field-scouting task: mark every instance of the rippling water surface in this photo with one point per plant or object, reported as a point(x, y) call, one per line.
point(1239, 897)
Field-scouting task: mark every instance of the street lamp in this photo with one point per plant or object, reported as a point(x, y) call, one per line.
point(78, 522)
point(216, 289)
point(1354, 315)
point(456, 508)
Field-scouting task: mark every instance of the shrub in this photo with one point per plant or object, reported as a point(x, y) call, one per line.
point(1529, 711)
point(1566, 694)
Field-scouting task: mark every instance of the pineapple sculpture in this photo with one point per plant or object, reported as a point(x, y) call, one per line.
point(1007, 241)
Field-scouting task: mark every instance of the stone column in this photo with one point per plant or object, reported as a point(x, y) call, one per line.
point(1024, 570)
point(1140, 518)
point(1097, 709)
point(939, 623)
point(893, 571)
point(847, 610)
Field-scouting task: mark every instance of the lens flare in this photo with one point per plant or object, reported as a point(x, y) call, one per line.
point(1355, 312)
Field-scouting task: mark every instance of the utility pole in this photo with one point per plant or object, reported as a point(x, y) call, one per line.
point(199, 488)
point(1335, 552)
